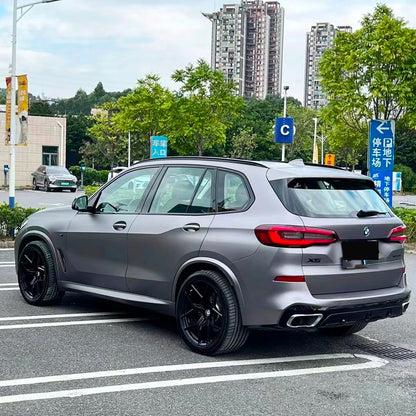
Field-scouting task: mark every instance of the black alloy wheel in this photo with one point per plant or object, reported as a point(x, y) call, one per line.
point(208, 315)
point(34, 186)
point(36, 275)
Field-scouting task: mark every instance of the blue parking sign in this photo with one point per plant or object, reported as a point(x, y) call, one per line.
point(284, 130)
point(159, 147)
point(381, 145)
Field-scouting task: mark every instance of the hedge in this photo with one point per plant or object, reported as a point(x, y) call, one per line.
point(408, 216)
point(91, 176)
point(89, 190)
point(12, 219)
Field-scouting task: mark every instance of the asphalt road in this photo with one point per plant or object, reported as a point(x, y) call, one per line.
point(40, 199)
point(88, 356)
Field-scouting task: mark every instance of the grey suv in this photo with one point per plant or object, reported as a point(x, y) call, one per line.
point(225, 245)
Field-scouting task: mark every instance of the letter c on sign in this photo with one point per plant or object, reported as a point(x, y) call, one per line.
point(284, 130)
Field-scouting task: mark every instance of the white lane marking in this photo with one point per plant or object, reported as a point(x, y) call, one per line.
point(8, 288)
point(71, 323)
point(169, 368)
point(6, 249)
point(58, 316)
point(372, 362)
point(7, 265)
point(9, 284)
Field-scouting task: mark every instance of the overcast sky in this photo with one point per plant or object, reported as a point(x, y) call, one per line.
point(72, 44)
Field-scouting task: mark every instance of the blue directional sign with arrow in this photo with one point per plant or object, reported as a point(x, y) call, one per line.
point(381, 145)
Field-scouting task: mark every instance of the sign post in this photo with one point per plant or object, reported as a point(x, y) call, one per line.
point(381, 157)
point(82, 168)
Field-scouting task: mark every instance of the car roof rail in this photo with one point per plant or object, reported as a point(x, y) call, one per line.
point(207, 158)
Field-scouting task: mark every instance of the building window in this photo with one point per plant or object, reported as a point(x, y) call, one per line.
point(50, 155)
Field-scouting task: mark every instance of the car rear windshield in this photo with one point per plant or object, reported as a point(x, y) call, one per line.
point(330, 197)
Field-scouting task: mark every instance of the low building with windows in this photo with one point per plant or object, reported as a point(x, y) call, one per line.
point(46, 145)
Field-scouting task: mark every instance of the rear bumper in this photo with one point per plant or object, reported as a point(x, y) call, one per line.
point(304, 316)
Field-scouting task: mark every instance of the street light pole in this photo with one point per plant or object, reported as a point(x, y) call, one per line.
point(314, 159)
point(322, 138)
point(12, 179)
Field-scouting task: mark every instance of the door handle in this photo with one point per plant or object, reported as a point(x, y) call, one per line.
point(120, 225)
point(191, 227)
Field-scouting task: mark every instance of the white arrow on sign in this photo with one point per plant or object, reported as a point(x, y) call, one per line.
point(380, 128)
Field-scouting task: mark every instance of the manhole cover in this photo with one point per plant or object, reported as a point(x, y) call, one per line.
point(383, 349)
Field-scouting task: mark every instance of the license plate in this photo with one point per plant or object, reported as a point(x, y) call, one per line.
point(65, 183)
point(360, 250)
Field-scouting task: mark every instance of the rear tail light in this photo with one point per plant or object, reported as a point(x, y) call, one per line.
point(287, 236)
point(290, 279)
point(397, 234)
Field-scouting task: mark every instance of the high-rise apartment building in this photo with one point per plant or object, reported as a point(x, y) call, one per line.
point(320, 38)
point(247, 46)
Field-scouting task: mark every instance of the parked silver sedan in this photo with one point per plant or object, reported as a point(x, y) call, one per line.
point(225, 245)
point(53, 178)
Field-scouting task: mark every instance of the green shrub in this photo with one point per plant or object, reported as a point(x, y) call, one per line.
point(408, 216)
point(12, 219)
point(89, 190)
point(91, 176)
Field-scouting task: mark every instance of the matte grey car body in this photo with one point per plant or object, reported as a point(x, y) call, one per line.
point(225, 245)
point(53, 178)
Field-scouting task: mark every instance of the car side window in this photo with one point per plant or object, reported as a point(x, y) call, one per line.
point(126, 192)
point(178, 188)
point(233, 194)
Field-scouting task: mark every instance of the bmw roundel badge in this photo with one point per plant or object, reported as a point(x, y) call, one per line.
point(366, 231)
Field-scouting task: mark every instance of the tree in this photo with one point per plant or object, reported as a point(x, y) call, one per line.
point(40, 108)
point(405, 146)
point(145, 112)
point(203, 109)
point(76, 136)
point(302, 145)
point(243, 144)
point(258, 116)
point(109, 142)
point(370, 74)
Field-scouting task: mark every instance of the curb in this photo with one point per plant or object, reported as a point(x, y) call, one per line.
point(6, 244)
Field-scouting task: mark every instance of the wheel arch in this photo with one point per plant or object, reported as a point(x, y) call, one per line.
point(39, 236)
point(205, 263)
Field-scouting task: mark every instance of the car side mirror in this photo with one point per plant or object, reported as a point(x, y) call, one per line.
point(81, 204)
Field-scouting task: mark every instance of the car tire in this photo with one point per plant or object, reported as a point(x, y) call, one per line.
point(36, 275)
point(344, 330)
point(208, 315)
point(46, 186)
point(34, 186)
point(73, 190)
